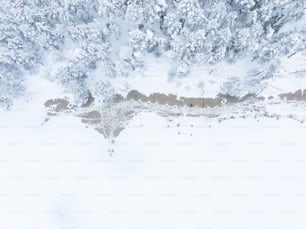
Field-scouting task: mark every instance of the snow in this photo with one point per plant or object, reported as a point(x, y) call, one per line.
point(203, 81)
point(163, 170)
point(125, 52)
point(182, 172)
point(289, 78)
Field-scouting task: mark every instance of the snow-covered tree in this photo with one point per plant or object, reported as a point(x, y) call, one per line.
point(116, 37)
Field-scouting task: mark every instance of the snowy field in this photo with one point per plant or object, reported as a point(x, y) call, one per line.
point(152, 114)
point(185, 173)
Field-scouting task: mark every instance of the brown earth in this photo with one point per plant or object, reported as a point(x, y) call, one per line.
point(111, 119)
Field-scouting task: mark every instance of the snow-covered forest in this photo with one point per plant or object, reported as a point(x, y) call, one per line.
point(116, 38)
point(152, 114)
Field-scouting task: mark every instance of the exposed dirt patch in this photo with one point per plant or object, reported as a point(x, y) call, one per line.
point(173, 100)
point(58, 104)
point(155, 98)
point(112, 121)
point(111, 117)
point(92, 117)
point(298, 95)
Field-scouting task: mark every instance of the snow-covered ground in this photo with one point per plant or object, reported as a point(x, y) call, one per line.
point(84, 144)
point(175, 172)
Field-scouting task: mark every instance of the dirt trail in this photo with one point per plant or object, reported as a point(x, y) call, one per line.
point(173, 100)
point(112, 117)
